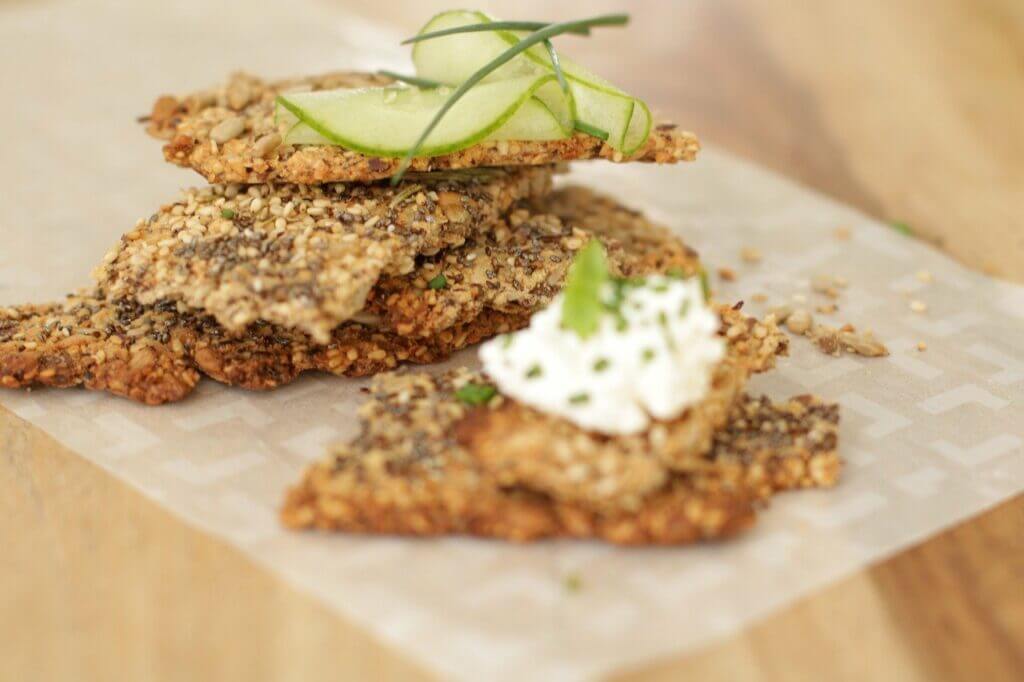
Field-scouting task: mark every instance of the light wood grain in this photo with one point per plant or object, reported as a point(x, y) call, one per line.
point(907, 109)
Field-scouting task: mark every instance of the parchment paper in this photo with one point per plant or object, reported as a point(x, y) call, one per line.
point(930, 437)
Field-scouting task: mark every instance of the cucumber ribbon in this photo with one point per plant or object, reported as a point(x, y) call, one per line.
point(521, 100)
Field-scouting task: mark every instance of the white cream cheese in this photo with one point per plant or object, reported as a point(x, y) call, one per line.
point(651, 357)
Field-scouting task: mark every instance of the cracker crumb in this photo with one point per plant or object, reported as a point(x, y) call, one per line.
point(918, 306)
point(727, 274)
point(922, 346)
point(750, 255)
point(758, 298)
point(799, 322)
point(924, 276)
point(842, 233)
point(826, 308)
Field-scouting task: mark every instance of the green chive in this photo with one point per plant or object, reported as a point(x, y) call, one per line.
point(685, 308)
point(534, 372)
point(648, 354)
point(591, 130)
point(438, 282)
point(495, 26)
point(705, 286)
point(476, 394)
point(662, 318)
point(579, 398)
point(508, 55)
point(573, 583)
point(675, 273)
point(660, 288)
point(506, 341)
point(602, 364)
point(424, 83)
point(903, 229)
point(557, 66)
point(227, 213)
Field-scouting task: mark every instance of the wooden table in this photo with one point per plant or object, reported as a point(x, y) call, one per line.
point(907, 109)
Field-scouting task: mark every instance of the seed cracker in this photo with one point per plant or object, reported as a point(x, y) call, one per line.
point(157, 354)
point(523, 446)
point(407, 474)
point(518, 267)
point(250, 149)
point(302, 256)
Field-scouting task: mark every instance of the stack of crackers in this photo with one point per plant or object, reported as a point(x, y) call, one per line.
point(305, 257)
point(301, 258)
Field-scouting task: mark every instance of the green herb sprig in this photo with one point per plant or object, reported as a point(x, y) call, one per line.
point(476, 394)
point(494, 26)
point(424, 83)
point(538, 36)
point(582, 306)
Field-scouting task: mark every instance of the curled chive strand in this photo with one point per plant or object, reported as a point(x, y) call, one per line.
point(424, 83)
point(508, 55)
point(498, 26)
point(557, 66)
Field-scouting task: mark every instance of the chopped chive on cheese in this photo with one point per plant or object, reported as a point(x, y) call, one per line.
point(439, 282)
point(648, 354)
point(602, 364)
point(705, 285)
point(476, 394)
point(227, 213)
point(506, 340)
point(579, 399)
point(534, 372)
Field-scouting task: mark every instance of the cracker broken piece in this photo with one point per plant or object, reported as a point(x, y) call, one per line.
point(407, 473)
point(300, 256)
point(518, 267)
point(157, 354)
point(228, 134)
point(524, 446)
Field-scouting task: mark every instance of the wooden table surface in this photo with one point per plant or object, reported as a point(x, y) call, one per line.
point(908, 109)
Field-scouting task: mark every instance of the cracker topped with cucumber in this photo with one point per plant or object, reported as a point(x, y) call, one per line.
point(482, 92)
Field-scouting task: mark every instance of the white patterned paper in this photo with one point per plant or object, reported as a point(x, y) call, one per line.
point(930, 437)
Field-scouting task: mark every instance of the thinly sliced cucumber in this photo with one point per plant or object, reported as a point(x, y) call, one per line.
point(533, 121)
point(598, 103)
point(387, 121)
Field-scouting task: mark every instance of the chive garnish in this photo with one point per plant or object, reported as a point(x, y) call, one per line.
point(903, 229)
point(557, 66)
point(705, 285)
point(579, 398)
point(591, 130)
point(675, 273)
point(648, 354)
point(439, 282)
point(534, 372)
point(573, 583)
point(476, 394)
point(495, 26)
point(425, 83)
point(227, 213)
point(506, 341)
point(538, 36)
point(602, 364)
point(685, 308)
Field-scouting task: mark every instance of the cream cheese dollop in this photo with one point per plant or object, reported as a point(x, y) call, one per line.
point(651, 356)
